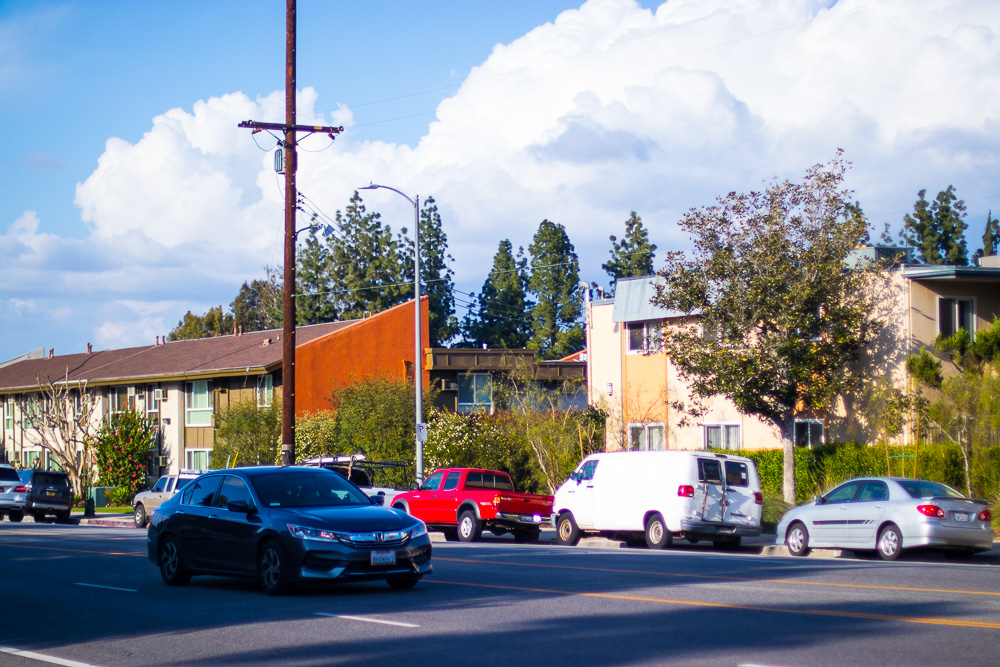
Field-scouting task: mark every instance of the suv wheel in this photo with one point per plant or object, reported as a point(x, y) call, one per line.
point(38, 516)
point(16, 516)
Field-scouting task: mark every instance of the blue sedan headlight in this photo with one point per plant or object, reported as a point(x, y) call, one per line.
point(418, 530)
point(306, 533)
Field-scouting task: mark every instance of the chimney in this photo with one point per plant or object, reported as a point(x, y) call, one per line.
point(157, 341)
point(90, 348)
point(52, 352)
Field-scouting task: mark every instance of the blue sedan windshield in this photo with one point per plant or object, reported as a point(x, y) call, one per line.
point(306, 488)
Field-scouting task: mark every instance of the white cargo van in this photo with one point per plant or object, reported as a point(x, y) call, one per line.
point(660, 496)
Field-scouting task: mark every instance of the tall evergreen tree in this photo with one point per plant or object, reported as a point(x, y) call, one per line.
point(633, 255)
point(257, 306)
point(555, 282)
point(501, 318)
point(213, 323)
point(368, 270)
point(435, 274)
point(991, 237)
point(937, 229)
point(314, 282)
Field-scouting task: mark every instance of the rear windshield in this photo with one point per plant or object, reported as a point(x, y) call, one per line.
point(487, 480)
point(736, 474)
point(306, 488)
point(921, 489)
point(48, 479)
point(182, 482)
point(9, 475)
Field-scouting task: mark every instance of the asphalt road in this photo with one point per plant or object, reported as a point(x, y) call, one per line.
point(86, 595)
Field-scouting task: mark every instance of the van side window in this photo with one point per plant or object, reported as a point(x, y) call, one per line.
point(736, 474)
point(709, 471)
point(587, 471)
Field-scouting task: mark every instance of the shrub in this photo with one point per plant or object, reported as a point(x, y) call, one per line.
point(123, 451)
point(924, 368)
point(247, 434)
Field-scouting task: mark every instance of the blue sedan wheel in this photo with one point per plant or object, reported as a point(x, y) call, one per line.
point(171, 566)
point(271, 569)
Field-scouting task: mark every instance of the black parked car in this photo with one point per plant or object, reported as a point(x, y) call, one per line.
point(47, 492)
point(285, 525)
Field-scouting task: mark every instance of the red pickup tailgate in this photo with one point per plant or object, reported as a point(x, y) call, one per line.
point(525, 503)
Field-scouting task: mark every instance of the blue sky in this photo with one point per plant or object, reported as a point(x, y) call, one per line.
point(130, 196)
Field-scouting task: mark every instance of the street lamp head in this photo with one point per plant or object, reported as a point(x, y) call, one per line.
point(370, 186)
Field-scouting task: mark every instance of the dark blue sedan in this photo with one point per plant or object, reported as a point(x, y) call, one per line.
point(283, 526)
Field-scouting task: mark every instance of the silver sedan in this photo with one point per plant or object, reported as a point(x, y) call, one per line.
point(888, 514)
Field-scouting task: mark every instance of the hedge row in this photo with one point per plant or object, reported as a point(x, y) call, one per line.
point(820, 469)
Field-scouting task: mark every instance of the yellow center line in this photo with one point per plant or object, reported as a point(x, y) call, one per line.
point(720, 577)
point(73, 551)
point(741, 607)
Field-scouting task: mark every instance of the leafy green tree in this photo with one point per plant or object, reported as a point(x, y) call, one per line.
point(314, 282)
point(991, 237)
point(366, 262)
point(257, 306)
point(124, 445)
point(501, 317)
point(247, 434)
point(435, 274)
point(633, 255)
point(937, 229)
point(213, 323)
point(775, 322)
point(555, 282)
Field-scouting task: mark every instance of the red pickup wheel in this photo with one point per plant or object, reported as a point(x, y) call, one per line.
point(469, 527)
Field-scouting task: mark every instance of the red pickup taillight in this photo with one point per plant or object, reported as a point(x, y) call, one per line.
point(685, 491)
point(985, 516)
point(930, 510)
point(758, 498)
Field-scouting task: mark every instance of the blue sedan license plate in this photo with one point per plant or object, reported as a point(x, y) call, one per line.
point(961, 516)
point(383, 558)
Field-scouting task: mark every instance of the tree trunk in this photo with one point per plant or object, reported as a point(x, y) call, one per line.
point(788, 448)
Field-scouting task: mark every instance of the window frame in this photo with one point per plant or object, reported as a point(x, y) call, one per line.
point(644, 441)
point(952, 305)
point(809, 432)
point(193, 411)
point(190, 454)
point(478, 393)
point(265, 391)
point(725, 429)
point(651, 336)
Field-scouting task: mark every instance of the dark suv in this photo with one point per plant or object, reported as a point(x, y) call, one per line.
point(47, 492)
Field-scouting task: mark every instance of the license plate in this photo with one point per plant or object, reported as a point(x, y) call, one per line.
point(383, 558)
point(50, 493)
point(961, 516)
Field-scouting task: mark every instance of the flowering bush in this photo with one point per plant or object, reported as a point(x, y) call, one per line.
point(123, 451)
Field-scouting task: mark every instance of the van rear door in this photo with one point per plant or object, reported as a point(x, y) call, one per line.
point(710, 496)
point(740, 505)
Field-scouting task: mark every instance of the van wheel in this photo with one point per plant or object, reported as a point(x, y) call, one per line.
point(567, 532)
point(657, 535)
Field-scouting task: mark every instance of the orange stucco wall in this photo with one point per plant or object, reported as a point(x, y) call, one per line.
point(645, 380)
point(377, 346)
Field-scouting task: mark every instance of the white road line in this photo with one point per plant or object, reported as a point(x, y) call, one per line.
point(30, 655)
point(110, 588)
point(370, 620)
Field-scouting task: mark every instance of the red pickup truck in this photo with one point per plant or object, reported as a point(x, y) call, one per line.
point(463, 501)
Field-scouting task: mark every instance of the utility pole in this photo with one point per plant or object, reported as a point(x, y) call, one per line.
point(288, 317)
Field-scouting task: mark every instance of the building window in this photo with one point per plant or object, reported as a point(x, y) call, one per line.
point(647, 437)
point(31, 459)
point(197, 459)
point(122, 399)
point(808, 433)
point(644, 337)
point(198, 404)
point(722, 436)
point(8, 413)
point(475, 392)
point(153, 397)
point(955, 314)
point(265, 391)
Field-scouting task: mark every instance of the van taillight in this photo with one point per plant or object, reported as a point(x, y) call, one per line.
point(985, 515)
point(758, 499)
point(930, 510)
point(685, 491)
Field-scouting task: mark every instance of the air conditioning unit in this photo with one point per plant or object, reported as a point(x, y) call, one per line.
point(159, 395)
point(163, 461)
point(450, 385)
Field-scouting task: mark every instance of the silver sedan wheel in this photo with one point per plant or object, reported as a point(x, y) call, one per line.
point(889, 543)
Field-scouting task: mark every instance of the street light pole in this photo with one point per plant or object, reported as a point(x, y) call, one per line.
point(418, 352)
